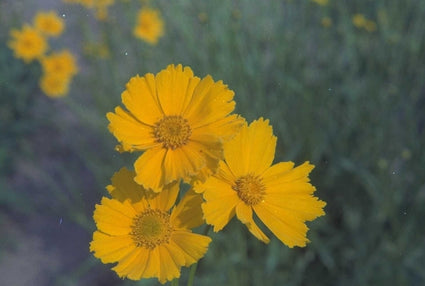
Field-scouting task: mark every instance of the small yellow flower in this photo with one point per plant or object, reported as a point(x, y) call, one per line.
point(179, 120)
point(370, 26)
point(27, 44)
point(359, 20)
point(150, 26)
point(137, 230)
point(49, 23)
point(326, 22)
point(54, 85)
point(246, 182)
point(62, 64)
point(321, 2)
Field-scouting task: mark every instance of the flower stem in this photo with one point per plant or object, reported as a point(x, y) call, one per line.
point(192, 274)
point(175, 282)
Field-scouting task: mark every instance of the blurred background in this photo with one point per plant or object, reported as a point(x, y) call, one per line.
point(342, 82)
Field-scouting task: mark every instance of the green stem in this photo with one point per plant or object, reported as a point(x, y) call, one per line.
point(175, 282)
point(192, 274)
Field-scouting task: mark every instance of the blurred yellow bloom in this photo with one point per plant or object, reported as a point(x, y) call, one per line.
point(326, 22)
point(62, 64)
point(27, 44)
point(101, 8)
point(137, 230)
point(246, 182)
point(321, 2)
point(54, 85)
point(370, 26)
point(49, 23)
point(149, 26)
point(359, 20)
point(179, 120)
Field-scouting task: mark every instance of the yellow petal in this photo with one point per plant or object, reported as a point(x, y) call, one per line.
point(283, 175)
point(149, 169)
point(124, 187)
point(252, 149)
point(183, 162)
point(172, 88)
point(211, 101)
point(152, 265)
point(129, 131)
point(188, 213)
point(303, 206)
point(224, 128)
point(113, 217)
point(140, 99)
point(111, 248)
point(127, 264)
point(168, 267)
point(220, 204)
point(166, 198)
point(288, 228)
point(244, 214)
point(193, 246)
point(139, 265)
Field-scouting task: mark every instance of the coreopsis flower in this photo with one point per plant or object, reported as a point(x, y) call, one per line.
point(27, 44)
point(136, 229)
point(359, 20)
point(246, 182)
point(179, 120)
point(60, 63)
point(49, 23)
point(149, 26)
point(54, 85)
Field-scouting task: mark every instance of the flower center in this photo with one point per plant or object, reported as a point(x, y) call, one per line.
point(172, 131)
point(151, 228)
point(250, 189)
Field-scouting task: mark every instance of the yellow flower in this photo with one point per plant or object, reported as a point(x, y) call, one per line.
point(49, 23)
point(54, 85)
point(178, 119)
point(62, 64)
point(326, 22)
point(137, 229)
point(370, 26)
point(321, 2)
point(27, 44)
point(280, 195)
point(150, 26)
point(359, 20)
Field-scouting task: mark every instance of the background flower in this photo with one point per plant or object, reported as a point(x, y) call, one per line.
point(49, 23)
point(27, 44)
point(149, 26)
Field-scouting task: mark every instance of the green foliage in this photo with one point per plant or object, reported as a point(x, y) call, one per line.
point(350, 101)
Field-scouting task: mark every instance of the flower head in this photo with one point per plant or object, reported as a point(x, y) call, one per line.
point(54, 85)
point(150, 26)
point(61, 63)
point(27, 44)
point(280, 195)
point(137, 230)
point(49, 23)
point(179, 120)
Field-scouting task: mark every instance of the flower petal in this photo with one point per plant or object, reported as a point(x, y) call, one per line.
point(188, 213)
point(140, 99)
point(139, 262)
point(127, 264)
point(111, 248)
point(130, 131)
point(211, 101)
point(244, 214)
point(124, 187)
point(168, 268)
point(290, 229)
point(149, 169)
point(193, 246)
point(113, 217)
point(174, 88)
point(166, 198)
point(252, 149)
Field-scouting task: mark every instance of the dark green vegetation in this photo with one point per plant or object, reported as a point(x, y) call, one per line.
point(350, 101)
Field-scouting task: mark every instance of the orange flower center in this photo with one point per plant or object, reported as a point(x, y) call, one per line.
point(151, 228)
point(250, 189)
point(172, 131)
